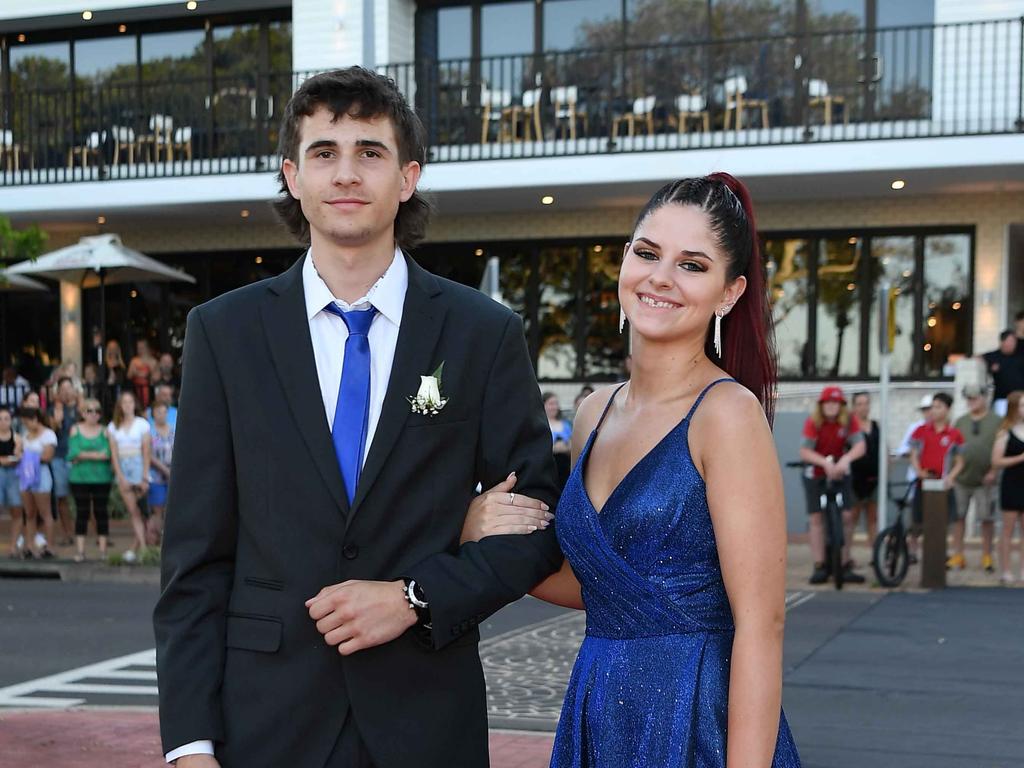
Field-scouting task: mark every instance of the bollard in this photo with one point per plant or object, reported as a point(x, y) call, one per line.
point(935, 509)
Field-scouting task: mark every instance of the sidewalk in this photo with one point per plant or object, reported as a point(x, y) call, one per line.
point(130, 739)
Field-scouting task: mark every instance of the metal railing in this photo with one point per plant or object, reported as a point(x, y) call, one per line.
point(900, 82)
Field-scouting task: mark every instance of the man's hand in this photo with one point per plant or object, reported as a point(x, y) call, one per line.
point(355, 615)
point(197, 761)
point(990, 477)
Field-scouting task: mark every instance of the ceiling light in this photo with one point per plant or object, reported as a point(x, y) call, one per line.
point(259, 259)
point(898, 184)
point(122, 28)
point(956, 305)
point(21, 38)
point(598, 248)
point(101, 219)
point(927, 347)
point(191, 5)
point(478, 252)
point(852, 241)
point(245, 213)
point(87, 15)
point(850, 286)
point(932, 322)
point(135, 294)
point(547, 200)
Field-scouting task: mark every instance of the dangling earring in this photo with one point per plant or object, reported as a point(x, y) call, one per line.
point(622, 319)
point(719, 314)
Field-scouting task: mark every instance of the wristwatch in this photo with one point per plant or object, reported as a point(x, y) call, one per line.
point(417, 600)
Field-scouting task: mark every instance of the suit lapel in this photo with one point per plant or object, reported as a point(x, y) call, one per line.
point(287, 331)
point(422, 320)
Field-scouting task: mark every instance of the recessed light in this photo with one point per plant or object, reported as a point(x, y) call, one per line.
point(191, 5)
point(850, 286)
point(101, 219)
point(898, 184)
point(927, 347)
point(87, 15)
point(932, 322)
point(478, 252)
point(852, 241)
point(598, 248)
point(259, 259)
point(245, 213)
point(21, 38)
point(956, 305)
point(547, 200)
point(122, 28)
point(135, 294)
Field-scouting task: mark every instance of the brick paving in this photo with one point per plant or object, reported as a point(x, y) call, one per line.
point(120, 738)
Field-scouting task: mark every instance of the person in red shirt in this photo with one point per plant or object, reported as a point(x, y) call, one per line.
point(832, 440)
point(933, 454)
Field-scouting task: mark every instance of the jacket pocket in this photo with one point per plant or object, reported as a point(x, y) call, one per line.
point(258, 581)
point(251, 632)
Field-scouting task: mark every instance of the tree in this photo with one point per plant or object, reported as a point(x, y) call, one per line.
point(20, 244)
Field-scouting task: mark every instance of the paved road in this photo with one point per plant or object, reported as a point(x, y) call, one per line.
point(903, 680)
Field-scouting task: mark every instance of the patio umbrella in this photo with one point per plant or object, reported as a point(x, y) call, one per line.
point(98, 261)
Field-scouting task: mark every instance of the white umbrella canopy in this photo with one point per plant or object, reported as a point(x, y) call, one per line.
point(97, 260)
point(19, 283)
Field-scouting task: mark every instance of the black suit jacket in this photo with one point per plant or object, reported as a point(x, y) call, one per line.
point(258, 522)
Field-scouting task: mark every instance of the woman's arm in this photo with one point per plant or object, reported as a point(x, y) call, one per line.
point(47, 455)
point(147, 451)
point(999, 458)
point(749, 518)
point(118, 474)
point(74, 449)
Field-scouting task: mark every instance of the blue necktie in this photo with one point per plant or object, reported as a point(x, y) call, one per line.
point(352, 412)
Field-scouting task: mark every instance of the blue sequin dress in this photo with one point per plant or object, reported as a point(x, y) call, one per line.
point(650, 686)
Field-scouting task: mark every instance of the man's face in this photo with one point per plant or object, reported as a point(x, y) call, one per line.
point(166, 364)
point(163, 395)
point(349, 179)
point(1008, 345)
point(66, 393)
point(940, 411)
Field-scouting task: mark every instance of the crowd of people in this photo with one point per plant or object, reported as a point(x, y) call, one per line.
point(979, 458)
point(73, 443)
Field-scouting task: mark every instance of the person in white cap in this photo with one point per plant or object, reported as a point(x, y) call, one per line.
point(925, 409)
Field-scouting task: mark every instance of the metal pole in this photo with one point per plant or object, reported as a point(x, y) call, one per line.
point(883, 403)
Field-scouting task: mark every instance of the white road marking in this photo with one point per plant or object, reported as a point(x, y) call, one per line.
point(21, 695)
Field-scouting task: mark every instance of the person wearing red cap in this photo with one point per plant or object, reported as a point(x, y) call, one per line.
point(832, 440)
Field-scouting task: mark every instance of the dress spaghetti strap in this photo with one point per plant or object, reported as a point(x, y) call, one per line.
point(700, 397)
point(608, 405)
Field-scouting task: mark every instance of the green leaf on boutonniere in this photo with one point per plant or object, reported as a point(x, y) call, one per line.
point(437, 374)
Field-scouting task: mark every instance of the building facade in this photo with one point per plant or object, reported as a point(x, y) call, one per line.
point(880, 139)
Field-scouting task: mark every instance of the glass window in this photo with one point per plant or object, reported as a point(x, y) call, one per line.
point(790, 299)
point(236, 52)
point(105, 60)
point(649, 22)
point(830, 15)
point(280, 33)
point(556, 313)
point(454, 33)
point(582, 24)
point(506, 29)
point(605, 347)
point(900, 13)
point(838, 307)
point(178, 56)
point(739, 18)
point(894, 256)
point(947, 302)
point(45, 66)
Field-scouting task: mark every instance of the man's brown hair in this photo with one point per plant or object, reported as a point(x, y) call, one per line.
point(361, 95)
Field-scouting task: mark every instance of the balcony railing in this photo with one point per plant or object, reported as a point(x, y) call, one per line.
point(900, 82)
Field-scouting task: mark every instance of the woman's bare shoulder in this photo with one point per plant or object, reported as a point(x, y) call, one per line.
point(592, 407)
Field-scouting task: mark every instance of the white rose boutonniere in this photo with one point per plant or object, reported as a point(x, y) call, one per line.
point(428, 400)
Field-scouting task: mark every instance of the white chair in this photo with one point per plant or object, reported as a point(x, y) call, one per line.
point(642, 113)
point(124, 141)
point(181, 141)
point(818, 96)
point(90, 148)
point(10, 152)
point(692, 107)
point(530, 114)
point(736, 103)
point(494, 103)
point(159, 137)
point(565, 99)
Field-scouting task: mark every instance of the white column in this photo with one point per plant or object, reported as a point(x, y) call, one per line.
point(327, 34)
point(71, 323)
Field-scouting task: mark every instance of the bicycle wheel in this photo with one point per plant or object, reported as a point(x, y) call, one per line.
point(891, 557)
point(835, 543)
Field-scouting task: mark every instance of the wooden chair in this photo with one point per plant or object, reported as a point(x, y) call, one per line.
point(10, 152)
point(91, 147)
point(529, 113)
point(496, 111)
point(124, 143)
point(181, 141)
point(158, 141)
point(565, 99)
point(642, 113)
point(819, 96)
point(693, 108)
point(736, 103)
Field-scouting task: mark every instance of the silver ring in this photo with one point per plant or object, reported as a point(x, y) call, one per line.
point(512, 499)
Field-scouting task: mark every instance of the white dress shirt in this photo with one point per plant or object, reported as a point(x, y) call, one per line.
point(328, 333)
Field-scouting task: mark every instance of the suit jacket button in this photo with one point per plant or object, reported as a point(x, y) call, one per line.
point(350, 552)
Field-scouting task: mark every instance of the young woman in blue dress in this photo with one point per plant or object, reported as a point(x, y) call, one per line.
point(673, 522)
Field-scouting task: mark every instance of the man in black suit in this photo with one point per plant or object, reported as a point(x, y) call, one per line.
point(317, 609)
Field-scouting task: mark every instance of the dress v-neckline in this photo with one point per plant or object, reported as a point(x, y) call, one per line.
point(585, 459)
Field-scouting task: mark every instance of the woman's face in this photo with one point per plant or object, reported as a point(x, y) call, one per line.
point(160, 414)
point(92, 413)
point(551, 407)
point(5, 420)
point(127, 403)
point(31, 400)
point(673, 275)
point(830, 410)
point(31, 423)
